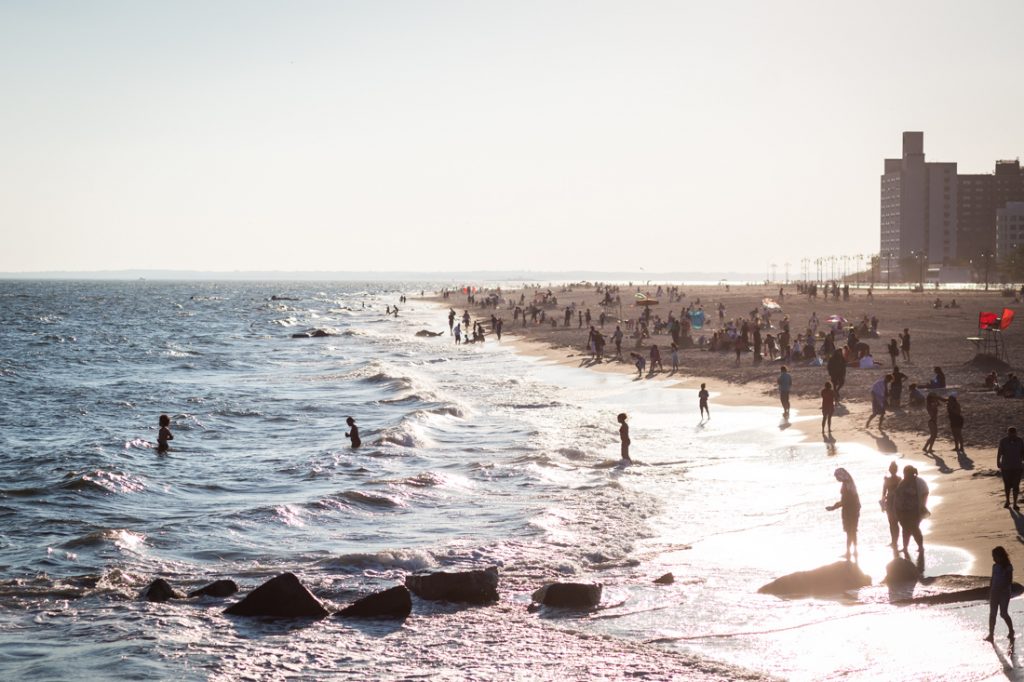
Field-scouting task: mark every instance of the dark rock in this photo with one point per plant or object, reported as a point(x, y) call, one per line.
point(476, 587)
point(427, 332)
point(825, 581)
point(392, 603)
point(666, 579)
point(280, 597)
point(218, 588)
point(900, 572)
point(954, 589)
point(311, 334)
point(569, 595)
point(159, 590)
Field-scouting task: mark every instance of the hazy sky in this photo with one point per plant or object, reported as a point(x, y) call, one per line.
point(423, 135)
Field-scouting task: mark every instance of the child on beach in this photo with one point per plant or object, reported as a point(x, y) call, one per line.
point(999, 592)
point(624, 437)
point(353, 432)
point(640, 363)
point(703, 396)
point(164, 435)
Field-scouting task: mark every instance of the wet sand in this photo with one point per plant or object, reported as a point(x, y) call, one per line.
point(971, 517)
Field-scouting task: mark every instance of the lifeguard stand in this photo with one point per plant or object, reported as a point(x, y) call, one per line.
point(990, 333)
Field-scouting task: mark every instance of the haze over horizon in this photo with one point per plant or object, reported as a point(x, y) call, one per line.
point(446, 136)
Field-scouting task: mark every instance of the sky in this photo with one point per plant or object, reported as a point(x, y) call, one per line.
point(454, 136)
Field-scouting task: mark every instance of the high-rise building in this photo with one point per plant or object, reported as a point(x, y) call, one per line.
point(932, 217)
point(918, 209)
point(1009, 229)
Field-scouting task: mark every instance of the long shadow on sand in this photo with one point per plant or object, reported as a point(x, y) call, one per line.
point(939, 462)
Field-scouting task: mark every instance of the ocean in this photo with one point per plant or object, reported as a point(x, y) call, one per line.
point(473, 456)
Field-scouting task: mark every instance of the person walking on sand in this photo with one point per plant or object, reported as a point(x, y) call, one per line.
point(353, 432)
point(956, 422)
point(999, 592)
point(785, 383)
point(894, 351)
point(828, 406)
point(879, 393)
point(703, 396)
point(640, 363)
point(896, 389)
point(911, 501)
point(837, 371)
point(1010, 461)
point(888, 502)
point(656, 359)
point(931, 405)
point(624, 437)
point(849, 501)
point(905, 343)
point(675, 358)
point(617, 338)
point(165, 435)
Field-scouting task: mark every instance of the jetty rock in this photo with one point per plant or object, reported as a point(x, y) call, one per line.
point(280, 597)
point(159, 590)
point(569, 595)
point(825, 581)
point(474, 587)
point(666, 579)
point(311, 334)
point(427, 332)
point(218, 588)
point(395, 602)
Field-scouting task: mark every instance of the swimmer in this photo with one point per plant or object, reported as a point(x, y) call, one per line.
point(353, 432)
point(165, 435)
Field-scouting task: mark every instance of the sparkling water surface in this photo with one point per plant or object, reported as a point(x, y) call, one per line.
point(472, 456)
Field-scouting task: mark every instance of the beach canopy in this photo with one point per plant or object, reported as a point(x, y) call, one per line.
point(995, 321)
point(770, 304)
point(835, 319)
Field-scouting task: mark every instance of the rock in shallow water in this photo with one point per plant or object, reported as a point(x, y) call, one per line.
point(218, 588)
point(569, 595)
point(475, 587)
point(392, 603)
point(901, 571)
point(159, 590)
point(666, 579)
point(280, 597)
point(826, 581)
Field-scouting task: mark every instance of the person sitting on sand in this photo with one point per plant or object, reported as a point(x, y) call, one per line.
point(849, 501)
point(164, 435)
point(353, 433)
point(991, 379)
point(938, 380)
point(999, 592)
point(624, 436)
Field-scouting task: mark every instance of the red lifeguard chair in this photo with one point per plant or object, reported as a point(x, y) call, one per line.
point(990, 333)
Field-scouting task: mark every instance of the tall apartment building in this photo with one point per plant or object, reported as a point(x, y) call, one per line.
point(919, 207)
point(981, 197)
point(1009, 229)
point(929, 212)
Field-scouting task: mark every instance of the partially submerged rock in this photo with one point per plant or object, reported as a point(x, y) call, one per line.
point(826, 581)
point(901, 571)
point(475, 587)
point(569, 595)
point(218, 588)
point(160, 590)
point(666, 579)
point(312, 334)
point(391, 603)
point(280, 597)
point(427, 332)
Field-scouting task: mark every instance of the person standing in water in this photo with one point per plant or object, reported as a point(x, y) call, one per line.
point(828, 406)
point(785, 382)
point(849, 501)
point(624, 437)
point(999, 592)
point(353, 433)
point(888, 502)
point(703, 396)
point(911, 506)
point(164, 435)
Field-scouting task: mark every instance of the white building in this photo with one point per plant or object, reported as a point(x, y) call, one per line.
point(1009, 229)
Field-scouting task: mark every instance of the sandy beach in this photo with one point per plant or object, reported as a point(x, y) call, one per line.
point(972, 516)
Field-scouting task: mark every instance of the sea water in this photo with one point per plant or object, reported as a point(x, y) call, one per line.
point(473, 455)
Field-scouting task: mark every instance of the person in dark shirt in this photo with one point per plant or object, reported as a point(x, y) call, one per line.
point(353, 433)
point(1010, 461)
point(999, 592)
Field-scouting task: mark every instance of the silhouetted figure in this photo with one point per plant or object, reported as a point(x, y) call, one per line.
point(164, 435)
point(703, 396)
point(879, 395)
point(624, 437)
point(785, 383)
point(1010, 460)
point(905, 343)
point(888, 502)
point(837, 371)
point(931, 404)
point(353, 432)
point(828, 406)
point(911, 498)
point(999, 592)
point(849, 501)
point(956, 422)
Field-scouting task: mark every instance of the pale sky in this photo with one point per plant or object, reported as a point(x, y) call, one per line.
point(440, 136)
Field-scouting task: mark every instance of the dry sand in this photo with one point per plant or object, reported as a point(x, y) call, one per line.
point(971, 514)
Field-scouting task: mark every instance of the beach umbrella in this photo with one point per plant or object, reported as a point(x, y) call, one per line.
point(836, 319)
